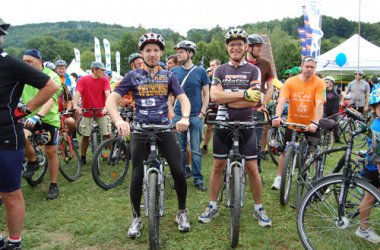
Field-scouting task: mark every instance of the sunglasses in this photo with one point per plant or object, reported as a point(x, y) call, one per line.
point(308, 59)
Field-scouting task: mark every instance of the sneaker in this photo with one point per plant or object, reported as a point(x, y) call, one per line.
point(53, 192)
point(83, 160)
point(11, 245)
point(262, 217)
point(2, 243)
point(188, 173)
point(277, 183)
point(182, 221)
point(201, 187)
point(31, 167)
point(368, 234)
point(134, 230)
point(209, 214)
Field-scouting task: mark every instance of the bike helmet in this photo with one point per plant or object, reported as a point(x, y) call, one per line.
point(374, 97)
point(49, 65)
point(255, 39)
point(133, 57)
point(60, 63)
point(151, 38)
point(236, 34)
point(186, 45)
point(330, 78)
point(3, 27)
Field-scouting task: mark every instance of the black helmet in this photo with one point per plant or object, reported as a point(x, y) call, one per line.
point(187, 45)
point(3, 27)
point(255, 39)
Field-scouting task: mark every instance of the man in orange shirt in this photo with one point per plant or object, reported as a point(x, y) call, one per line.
point(305, 94)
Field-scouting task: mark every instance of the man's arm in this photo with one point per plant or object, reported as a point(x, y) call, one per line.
point(46, 107)
point(183, 123)
point(268, 95)
point(111, 104)
point(318, 110)
point(43, 95)
point(206, 98)
point(218, 95)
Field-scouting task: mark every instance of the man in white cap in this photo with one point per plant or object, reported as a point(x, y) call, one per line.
point(359, 90)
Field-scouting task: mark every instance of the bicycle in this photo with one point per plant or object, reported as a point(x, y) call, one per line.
point(70, 164)
point(235, 173)
point(328, 213)
point(110, 161)
point(38, 139)
point(154, 180)
point(95, 137)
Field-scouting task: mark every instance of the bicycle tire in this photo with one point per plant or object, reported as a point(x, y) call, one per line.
point(115, 164)
point(273, 136)
point(70, 164)
point(290, 163)
point(359, 141)
point(79, 128)
point(153, 211)
point(317, 223)
point(304, 180)
point(94, 141)
point(236, 205)
point(39, 174)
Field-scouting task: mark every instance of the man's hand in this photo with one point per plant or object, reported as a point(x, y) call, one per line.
point(31, 121)
point(312, 127)
point(123, 128)
point(182, 125)
point(276, 122)
point(78, 110)
point(252, 95)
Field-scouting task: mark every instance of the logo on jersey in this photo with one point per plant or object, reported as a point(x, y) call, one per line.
point(150, 102)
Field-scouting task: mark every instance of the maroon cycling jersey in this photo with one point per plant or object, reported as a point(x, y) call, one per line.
point(236, 79)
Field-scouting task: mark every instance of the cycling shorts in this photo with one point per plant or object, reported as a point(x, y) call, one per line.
point(54, 132)
point(10, 169)
point(223, 141)
point(103, 122)
point(372, 177)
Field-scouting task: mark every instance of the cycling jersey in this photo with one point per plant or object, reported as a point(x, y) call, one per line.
point(52, 117)
point(14, 74)
point(236, 79)
point(150, 94)
point(375, 126)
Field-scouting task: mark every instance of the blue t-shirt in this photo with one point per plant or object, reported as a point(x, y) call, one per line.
point(375, 126)
point(192, 87)
point(150, 94)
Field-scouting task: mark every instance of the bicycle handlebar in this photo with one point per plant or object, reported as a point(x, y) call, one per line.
point(295, 125)
point(156, 128)
point(247, 124)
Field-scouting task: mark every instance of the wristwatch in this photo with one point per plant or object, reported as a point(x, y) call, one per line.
point(186, 116)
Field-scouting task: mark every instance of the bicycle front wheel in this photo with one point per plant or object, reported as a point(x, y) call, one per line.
point(236, 205)
point(290, 163)
point(41, 170)
point(110, 163)
point(70, 164)
point(153, 211)
point(319, 224)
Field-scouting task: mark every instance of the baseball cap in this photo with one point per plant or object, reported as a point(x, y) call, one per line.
point(98, 65)
point(33, 52)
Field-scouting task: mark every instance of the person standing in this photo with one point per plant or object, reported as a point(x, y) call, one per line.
point(94, 90)
point(359, 91)
point(331, 107)
point(254, 48)
point(195, 83)
point(14, 74)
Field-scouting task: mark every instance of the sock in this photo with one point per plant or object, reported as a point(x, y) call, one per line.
point(16, 241)
point(214, 204)
point(204, 146)
point(188, 166)
point(258, 206)
point(83, 158)
point(1, 236)
point(53, 184)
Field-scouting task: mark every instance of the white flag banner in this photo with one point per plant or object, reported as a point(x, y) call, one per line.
point(313, 10)
point(77, 56)
point(107, 49)
point(98, 55)
point(118, 62)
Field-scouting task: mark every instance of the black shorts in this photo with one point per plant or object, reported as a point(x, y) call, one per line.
point(10, 169)
point(223, 141)
point(54, 132)
point(312, 138)
point(372, 177)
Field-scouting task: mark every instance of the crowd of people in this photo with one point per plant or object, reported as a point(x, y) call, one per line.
point(179, 92)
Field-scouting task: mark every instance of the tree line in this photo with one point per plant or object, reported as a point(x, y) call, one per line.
point(57, 40)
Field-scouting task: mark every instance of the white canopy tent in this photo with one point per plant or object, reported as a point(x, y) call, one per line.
point(369, 57)
point(74, 67)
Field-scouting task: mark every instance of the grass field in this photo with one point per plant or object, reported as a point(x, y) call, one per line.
point(87, 217)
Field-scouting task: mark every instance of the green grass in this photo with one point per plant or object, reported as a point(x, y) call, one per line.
point(87, 217)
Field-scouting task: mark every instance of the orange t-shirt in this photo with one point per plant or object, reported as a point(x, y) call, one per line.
point(302, 97)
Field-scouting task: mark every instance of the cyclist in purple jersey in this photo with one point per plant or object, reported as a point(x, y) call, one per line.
point(150, 88)
point(233, 88)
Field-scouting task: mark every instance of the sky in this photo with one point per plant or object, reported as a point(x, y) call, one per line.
point(179, 15)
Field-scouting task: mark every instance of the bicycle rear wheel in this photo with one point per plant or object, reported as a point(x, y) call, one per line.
point(318, 222)
point(110, 163)
point(41, 170)
point(236, 205)
point(70, 164)
point(275, 140)
point(288, 168)
point(153, 211)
